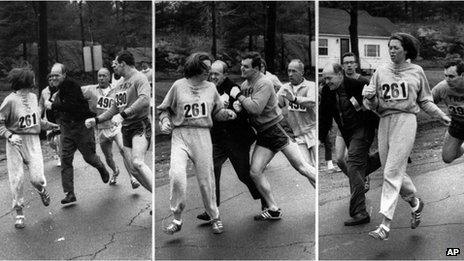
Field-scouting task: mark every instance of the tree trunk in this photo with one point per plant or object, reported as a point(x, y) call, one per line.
point(43, 45)
point(213, 29)
point(309, 34)
point(269, 40)
point(24, 51)
point(282, 52)
point(250, 42)
point(82, 35)
point(354, 30)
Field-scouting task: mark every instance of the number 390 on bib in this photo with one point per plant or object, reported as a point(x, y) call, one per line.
point(395, 91)
point(195, 110)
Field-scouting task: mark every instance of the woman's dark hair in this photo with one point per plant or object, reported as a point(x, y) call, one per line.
point(21, 78)
point(410, 44)
point(194, 64)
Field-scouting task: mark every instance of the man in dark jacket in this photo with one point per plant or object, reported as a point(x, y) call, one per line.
point(341, 100)
point(73, 109)
point(231, 139)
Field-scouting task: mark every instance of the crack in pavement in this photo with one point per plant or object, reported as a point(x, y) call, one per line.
point(310, 243)
point(12, 210)
point(393, 228)
point(105, 246)
point(93, 255)
point(201, 207)
point(448, 196)
point(138, 214)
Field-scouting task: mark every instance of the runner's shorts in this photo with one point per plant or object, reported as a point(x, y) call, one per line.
point(309, 139)
point(142, 127)
point(456, 130)
point(274, 138)
point(107, 134)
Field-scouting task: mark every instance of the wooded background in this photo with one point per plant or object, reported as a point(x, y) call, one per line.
point(280, 31)
point(438, 25)
point(115, 25)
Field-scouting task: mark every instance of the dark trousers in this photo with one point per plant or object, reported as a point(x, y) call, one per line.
point(75, 136)
point(360, 164)
point(239, 155)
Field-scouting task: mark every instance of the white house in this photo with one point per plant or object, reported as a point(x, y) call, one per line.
point(334, 38)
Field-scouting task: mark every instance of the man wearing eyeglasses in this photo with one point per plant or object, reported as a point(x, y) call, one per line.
point(451, 92)
point(349, 64)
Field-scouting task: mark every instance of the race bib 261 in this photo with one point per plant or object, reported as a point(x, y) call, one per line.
point(195, 110)
point(28, 121)
point(395, 91)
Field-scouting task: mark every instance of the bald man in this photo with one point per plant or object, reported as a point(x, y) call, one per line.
point(299, 97)
point(72, 110)
point(231, 139)
point(100, 97)
point(341, 100)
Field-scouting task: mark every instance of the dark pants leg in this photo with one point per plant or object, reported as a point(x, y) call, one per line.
point(357, 163)
point(239, 156)
point(373, 163)
point(219, 157)
point(87, 147)
point(328, 147)
point(68, 147)
point(76, 136)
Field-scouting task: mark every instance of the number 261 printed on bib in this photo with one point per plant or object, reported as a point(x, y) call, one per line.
point(394, 91)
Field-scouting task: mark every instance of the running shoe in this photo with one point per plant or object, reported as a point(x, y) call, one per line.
point(268, 214)
point(172, 228)
point(114, 177)
point(216, 226)
point(416, 215)
point(19, 223)
point(134, 183)
point(69, 198)
point(45, 197)
point(367, 184)
point(204, 216)
point(380, 233)
point(105, 176)
point(57, 160)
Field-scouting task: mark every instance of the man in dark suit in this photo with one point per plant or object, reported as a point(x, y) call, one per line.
point(341, 100)
point(73, 109)
point(231, 139)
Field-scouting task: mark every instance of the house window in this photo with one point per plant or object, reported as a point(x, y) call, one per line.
point(372, 50)
point(323, 47)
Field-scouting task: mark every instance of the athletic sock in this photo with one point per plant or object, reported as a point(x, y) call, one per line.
point(415, 208)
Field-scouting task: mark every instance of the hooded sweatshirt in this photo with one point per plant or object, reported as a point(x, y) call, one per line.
point(402, 88)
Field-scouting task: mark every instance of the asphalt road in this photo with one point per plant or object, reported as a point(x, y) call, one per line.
point(106, 222)
point(441, 228)
point(293, 237)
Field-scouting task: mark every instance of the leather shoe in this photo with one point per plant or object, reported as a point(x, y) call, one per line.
point(358, 219)
point(70, 197)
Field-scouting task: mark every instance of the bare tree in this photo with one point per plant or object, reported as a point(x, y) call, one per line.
point(213, 28)
point(269, 37)
point(43, 44)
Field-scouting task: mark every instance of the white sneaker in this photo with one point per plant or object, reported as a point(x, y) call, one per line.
point(57, 160)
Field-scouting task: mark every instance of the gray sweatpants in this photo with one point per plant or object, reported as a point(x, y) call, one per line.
point(396, 136)
point(29, 154)
point(194, 144)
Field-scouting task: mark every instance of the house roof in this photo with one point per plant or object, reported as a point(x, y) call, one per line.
point(337, 21)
